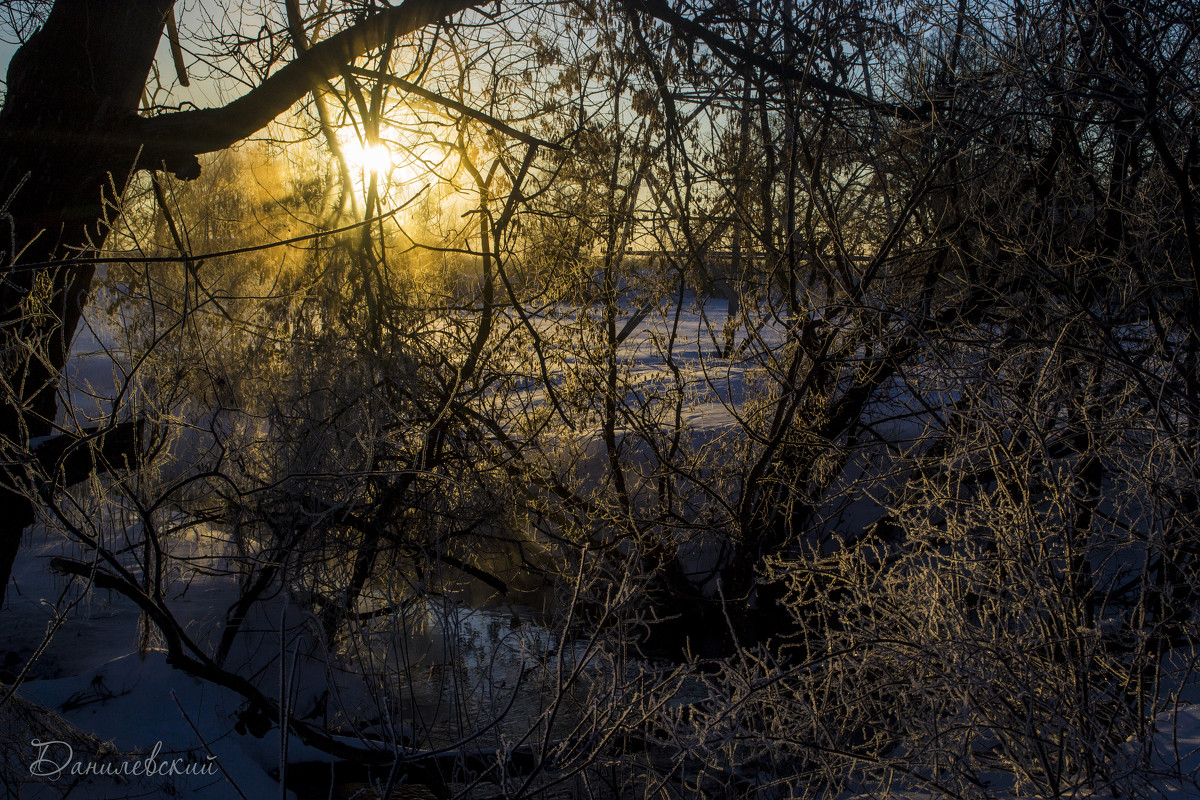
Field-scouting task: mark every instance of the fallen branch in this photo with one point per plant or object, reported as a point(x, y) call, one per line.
point(428, 767)
point(70, 458)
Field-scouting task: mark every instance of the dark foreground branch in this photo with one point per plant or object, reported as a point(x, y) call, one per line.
point(176, 138)
point(431, 767)
point(70, 458)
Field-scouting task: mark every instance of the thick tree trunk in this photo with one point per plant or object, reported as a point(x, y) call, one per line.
point(74, 82)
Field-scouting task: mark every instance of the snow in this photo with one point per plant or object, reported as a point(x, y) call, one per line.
point(132, 701)
point(138, 702)
point(92, 674)
point(1174, 748)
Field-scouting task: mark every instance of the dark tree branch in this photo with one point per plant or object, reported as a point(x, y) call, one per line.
point(176, 138)
point(71, 458)
point(431, 766)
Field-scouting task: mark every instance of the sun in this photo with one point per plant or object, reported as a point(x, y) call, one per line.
point(396, 161)
point(369, 158)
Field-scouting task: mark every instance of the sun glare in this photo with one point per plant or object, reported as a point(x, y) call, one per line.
point(373, 158)
point(394, 161)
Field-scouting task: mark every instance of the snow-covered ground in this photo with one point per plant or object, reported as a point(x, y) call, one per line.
point(92, 675)
point(93, 672)
point(460, 666)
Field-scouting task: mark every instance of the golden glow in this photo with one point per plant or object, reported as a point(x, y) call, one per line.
point(394, 161)
point(368, 158)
